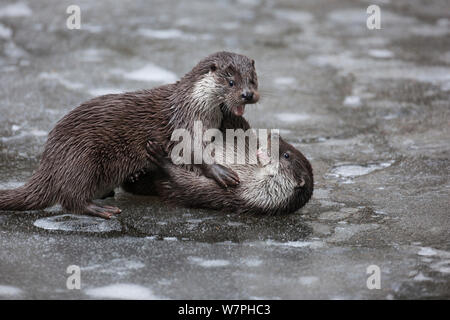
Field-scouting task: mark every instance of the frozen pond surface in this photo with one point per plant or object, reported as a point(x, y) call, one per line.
point(370, 109)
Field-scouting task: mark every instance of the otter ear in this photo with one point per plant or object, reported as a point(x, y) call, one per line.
point(300, 184)
point(213, 67)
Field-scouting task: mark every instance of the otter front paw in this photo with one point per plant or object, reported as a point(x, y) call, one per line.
point(156, 154)
point(135, 176)
point(224, 176)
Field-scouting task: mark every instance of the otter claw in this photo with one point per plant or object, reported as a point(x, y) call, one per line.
point(135, 176)
point(105, 212)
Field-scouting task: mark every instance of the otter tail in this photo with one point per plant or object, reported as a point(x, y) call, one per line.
point(35, 194)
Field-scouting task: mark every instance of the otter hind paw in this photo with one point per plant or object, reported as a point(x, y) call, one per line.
point(105, 212)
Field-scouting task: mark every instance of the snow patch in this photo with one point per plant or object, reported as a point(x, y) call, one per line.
point(10, 291)
point(116, 266)
point(102, 91)
point(78, 223)
point(33, 132)
point(161, 34)
point(209, 263)
point(441, 266)
point(353, 170)
point(381, 53)
point(122, 291)
point(284, 81)
point(15, 10)
point(426, 251)
point(352, 101)
point(293, 117)
point(421, 277)
point(297, 244)
point(5, 32)
point(251, 262)
point(152, 73)
point(72, 85)
point(308, 280)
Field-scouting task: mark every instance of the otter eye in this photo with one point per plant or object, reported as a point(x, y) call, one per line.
point(286, 155)
point(231, 83)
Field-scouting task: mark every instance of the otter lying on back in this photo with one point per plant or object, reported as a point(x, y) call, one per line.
point(264, 188)
point(102, 142)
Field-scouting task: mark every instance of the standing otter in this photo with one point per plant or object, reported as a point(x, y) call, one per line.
point(265, 188)
point(99, 144)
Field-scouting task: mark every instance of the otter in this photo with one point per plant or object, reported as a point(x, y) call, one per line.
point(99, 144)
point(265, 188)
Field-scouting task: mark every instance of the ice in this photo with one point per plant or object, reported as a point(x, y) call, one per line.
point(422, 277)
point(79, 223)
point(336, 215)
point(431, 74)
point(445, 86)
point(91, 28)
point(93, 55)
point(120, 267)
point(308, 280)
point(10, 291)
point(207, 263)
point(297, 244)
point(15, 10)
point(72, 85)
point(125, 291)
point(13, 51)
point(250, 2)
point(437, 30)
point(249, 262)
point(352, 101)
point(293, 117)
point(381, 53)
point(353, 17)
point(153, 73)
point(102, 91)
point(310, 58)
point(426, 252)
point(23, 134)
point(38, 133)
point(285, 81)
point(297, 16)
point(346, 231)
point(5, 32)
point(161, 34)
point(441, 266)
point(11, 185)
point(353, 170)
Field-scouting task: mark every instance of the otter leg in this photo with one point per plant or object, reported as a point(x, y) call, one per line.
point(110, 194)
point(102, 211)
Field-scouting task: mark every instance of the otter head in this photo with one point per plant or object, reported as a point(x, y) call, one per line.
point(291, 168)
point(293, 163)
point(226, 78)
point(286, 183)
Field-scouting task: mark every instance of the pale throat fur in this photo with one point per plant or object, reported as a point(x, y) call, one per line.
point(203, 105)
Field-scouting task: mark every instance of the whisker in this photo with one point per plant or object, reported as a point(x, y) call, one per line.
point(268, 93)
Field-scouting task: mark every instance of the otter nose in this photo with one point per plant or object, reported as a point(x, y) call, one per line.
point(247, 96)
